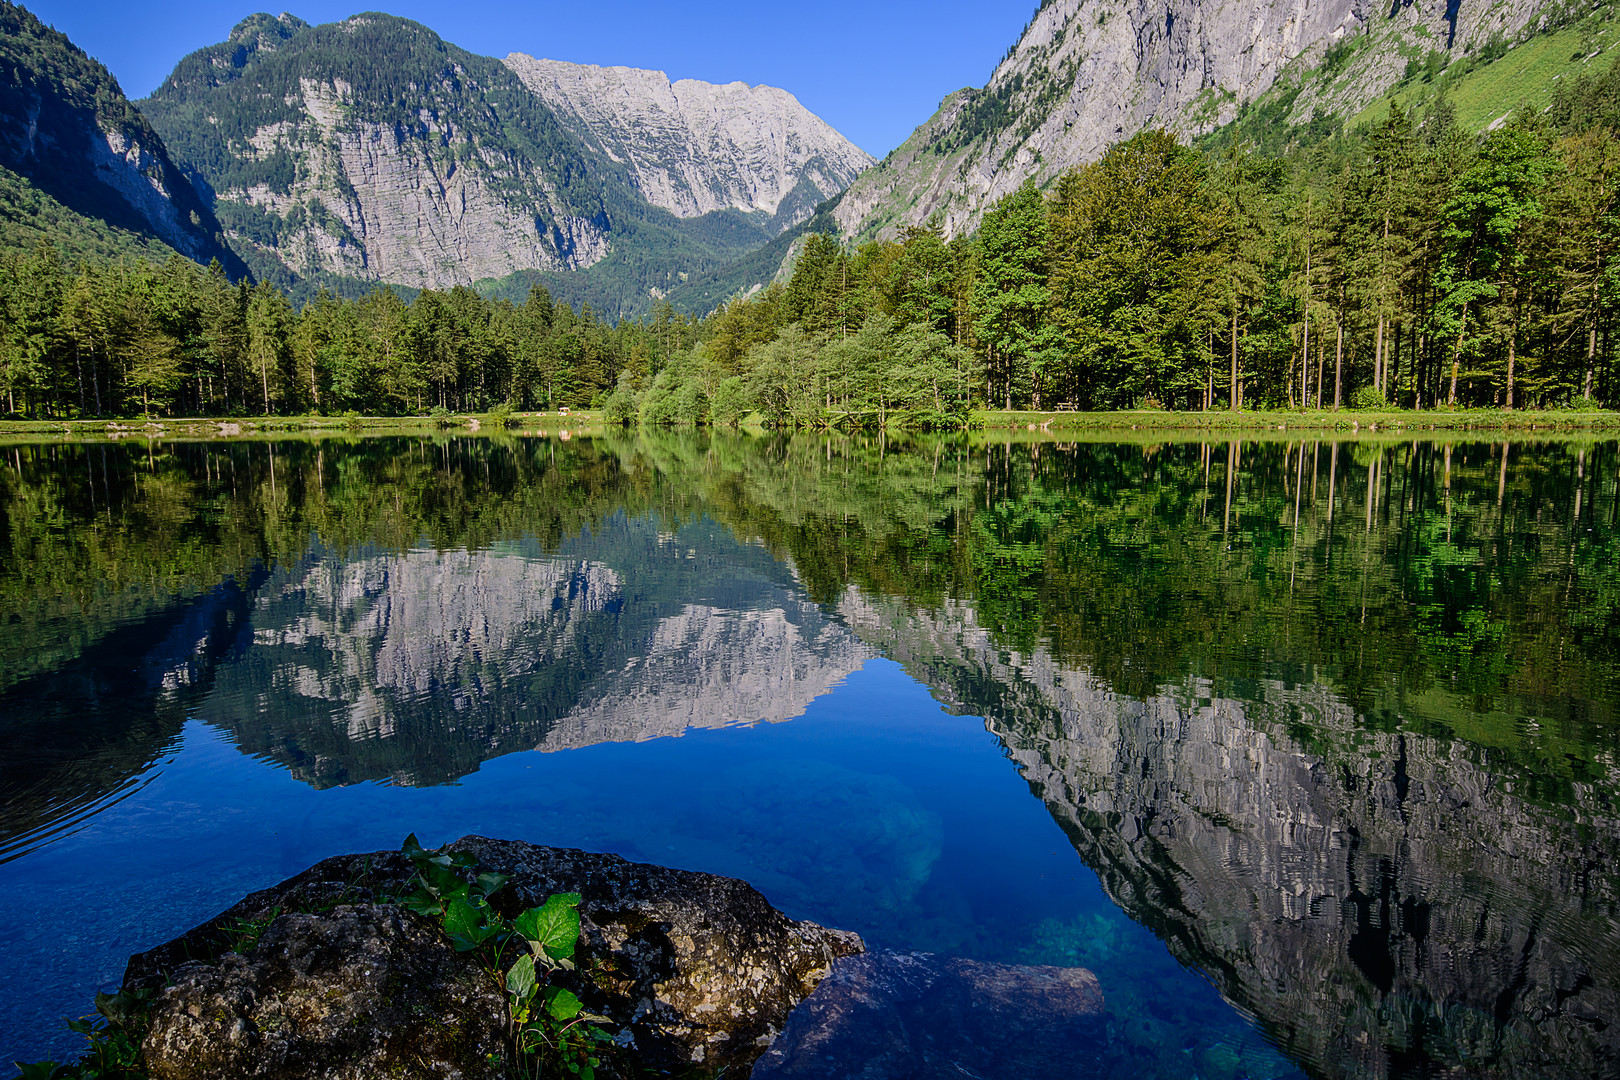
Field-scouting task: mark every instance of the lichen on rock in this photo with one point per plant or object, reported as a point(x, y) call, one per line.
point(696, 973)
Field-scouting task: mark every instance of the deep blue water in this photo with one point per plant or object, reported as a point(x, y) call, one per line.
point(1308, 751)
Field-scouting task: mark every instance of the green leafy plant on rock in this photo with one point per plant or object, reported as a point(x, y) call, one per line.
point(114, 1035)
point(550, 1026)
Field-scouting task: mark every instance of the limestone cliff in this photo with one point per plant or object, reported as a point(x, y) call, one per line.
point(372, 149)
point(66, 128)
point(693, 147)
point(1089, 73)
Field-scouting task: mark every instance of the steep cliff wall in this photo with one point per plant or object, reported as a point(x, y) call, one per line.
point(695, 147)
point(372, 149)
point(67, 128)
point(1089, 73)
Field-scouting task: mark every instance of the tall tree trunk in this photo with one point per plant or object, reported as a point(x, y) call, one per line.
point(1305, 334)
point(1236, 401)
point(1513, 344)
point(1456, 357)
point(1591, 342)
point(1378, 358)
point(1338, 356)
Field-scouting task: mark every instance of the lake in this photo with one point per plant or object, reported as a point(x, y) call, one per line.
point(1309, 750)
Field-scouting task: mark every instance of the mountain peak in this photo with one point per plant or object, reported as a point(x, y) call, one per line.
point(694, 147)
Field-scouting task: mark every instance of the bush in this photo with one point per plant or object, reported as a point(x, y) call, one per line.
point(442, 417)
point(731, 402)
point(620, 406)
point(1368, 398)
point(500, 416)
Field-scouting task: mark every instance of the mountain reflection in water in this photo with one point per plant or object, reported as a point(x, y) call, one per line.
point(1334, 721)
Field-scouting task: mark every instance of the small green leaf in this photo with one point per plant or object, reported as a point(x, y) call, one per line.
point(412, 848)
point(562, 1004)
point(520, 982)
point(553, 927)
point(423, 903)
point(489, 883)
point(80, 1026)
point(40, 1070)
point(465, 925)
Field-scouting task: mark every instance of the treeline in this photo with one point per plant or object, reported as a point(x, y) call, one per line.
point(1414, 265)
point(180, 339)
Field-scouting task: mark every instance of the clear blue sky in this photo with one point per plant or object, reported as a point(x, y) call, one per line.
point(874, 69)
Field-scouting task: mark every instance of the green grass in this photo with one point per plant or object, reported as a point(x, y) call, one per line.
point(1344, 422)
point(1526, 76)
point(577, 422)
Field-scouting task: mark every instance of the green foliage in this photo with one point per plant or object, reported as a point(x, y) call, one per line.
point(114, 1037)
point(1369, 398)
point(551, 1028)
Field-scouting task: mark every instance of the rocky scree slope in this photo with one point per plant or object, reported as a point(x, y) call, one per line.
point(694, 147)
point(68, 132)
point(1090, 73)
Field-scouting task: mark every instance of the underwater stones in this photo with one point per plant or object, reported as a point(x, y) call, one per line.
point(887, 1016)
point(696, 972)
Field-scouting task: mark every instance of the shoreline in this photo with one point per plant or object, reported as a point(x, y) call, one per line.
point(1124, 425)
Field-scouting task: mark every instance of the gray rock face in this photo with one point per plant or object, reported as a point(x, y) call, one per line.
point(66, 126)
point(914, 1016)
point(695, 147)
point(1089, 73)
point(697, 972)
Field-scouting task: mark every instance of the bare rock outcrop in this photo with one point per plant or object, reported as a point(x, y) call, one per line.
point(695, 147)
point(697, 973)
point(1087, 74)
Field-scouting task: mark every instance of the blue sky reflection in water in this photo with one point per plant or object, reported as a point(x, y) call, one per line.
point(1330, 725)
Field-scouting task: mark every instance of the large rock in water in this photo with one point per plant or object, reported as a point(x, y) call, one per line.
point(915, 1016)
point(698, 973)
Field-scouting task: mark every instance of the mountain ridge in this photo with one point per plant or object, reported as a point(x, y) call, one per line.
point(695, 147)
point(71, 134)
point(1085, 75)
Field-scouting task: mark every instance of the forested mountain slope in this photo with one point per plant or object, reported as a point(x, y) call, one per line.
point(694, 147)
point(1087, 74)
point(79, 165)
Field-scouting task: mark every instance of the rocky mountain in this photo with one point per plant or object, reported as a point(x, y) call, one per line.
point(693, 147)
point(79, 165)
point(1089, 73)
point(371, 150)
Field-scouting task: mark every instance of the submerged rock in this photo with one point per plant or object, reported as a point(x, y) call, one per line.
point(915, 1016)
point(697, 973)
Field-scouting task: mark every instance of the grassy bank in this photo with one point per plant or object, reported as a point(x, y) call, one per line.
point(1345, 422)
point(259, 427)
point(1124, 425)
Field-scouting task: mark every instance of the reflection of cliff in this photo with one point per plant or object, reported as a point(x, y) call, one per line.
point(419, 666)
point(1384, 902)
point(80, 736)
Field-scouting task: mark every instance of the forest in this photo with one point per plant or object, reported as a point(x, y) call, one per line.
point(1408, 264)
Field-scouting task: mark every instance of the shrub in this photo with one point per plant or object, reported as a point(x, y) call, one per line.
point(1368, 398)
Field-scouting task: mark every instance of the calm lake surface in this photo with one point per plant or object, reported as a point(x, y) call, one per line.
point(1309, 750)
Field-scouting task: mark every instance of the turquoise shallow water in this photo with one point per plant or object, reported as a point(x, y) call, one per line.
point(1308, 751)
